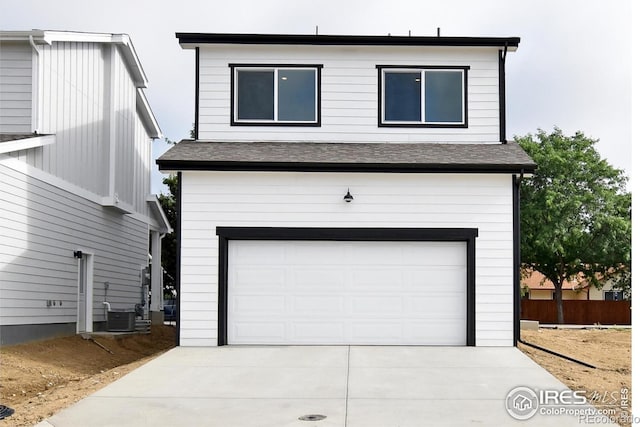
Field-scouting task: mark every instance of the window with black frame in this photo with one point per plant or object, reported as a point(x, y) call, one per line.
point(276, 95)
point(422, 96)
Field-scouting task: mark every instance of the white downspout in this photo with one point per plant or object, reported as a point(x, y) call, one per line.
point(35, 86)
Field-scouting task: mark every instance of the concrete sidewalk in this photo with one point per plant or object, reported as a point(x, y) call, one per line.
point(350, 386)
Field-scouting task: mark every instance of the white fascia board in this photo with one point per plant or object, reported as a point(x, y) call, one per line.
point(154, 205)
point(146, 115)
point(76, 36)
point(123, 40)
point(131, 58)
point(26, 143)
point(23, 36)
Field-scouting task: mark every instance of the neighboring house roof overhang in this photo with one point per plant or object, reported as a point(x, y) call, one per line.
point(346, 157)
point(190, 40)
point(10, 142)
point(121, 40)
point(146, 115)
point(158, 214)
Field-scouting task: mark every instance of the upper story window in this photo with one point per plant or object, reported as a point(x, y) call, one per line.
point(280, 95)
point(422, 96)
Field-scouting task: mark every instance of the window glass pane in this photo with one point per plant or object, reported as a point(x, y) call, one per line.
point(401, 96)
point(443, 95)
point(255, 95)
point(297, 95)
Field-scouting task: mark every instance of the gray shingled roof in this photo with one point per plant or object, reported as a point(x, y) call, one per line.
point(8, 137)
point(354, 157)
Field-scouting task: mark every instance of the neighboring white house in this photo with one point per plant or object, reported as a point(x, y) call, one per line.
point(76, 213)
point(348, 190)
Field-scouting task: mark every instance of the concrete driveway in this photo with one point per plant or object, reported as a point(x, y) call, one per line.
point(351, 386)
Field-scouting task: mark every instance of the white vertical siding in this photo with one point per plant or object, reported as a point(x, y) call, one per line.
point(41, 227)
point(349, 92)
point(140, 163)
point(72, 107)
point(125, 116)
point(81, 86)
point(15, 88)
point(211, 199)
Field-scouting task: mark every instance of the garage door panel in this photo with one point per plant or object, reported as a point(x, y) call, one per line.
point(382, 305)
point(317, 332)
point(252, 278)
point(375, 278)
point(374, 331)
point(317, 305)
point(308, 253)
point(258, 332)
point(363, 253)
point(419, 254)
point(258, 304)
point(425, 279)
point(314, 279)
point(444, 305)
point(259, 253)
point(328, 292)
point(439, 332)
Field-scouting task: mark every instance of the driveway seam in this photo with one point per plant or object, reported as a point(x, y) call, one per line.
point(346, 398)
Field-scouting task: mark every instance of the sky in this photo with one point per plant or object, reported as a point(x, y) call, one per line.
point(572, 68)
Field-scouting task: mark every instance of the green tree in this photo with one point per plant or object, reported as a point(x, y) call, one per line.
point(168, 203)
point(575, 212)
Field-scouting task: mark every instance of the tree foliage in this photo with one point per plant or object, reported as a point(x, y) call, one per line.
point(575, 212)
point(169, 244)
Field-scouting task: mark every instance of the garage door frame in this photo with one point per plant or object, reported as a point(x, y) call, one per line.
point(467, 235)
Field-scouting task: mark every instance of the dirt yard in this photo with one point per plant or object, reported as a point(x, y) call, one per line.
point(41, 378)
point(607, 349)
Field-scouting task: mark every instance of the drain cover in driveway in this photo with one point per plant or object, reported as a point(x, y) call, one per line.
point(312, 417)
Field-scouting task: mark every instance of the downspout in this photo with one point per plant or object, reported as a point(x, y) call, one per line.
point(502, 57)
point(35, 87)
point(196, 121)
point(516, 180)
point(178, 232)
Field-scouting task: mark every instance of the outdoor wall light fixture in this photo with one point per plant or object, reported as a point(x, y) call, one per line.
point(77, 254)
point(348, 197)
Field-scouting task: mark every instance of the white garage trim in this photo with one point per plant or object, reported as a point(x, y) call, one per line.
point(225, 234)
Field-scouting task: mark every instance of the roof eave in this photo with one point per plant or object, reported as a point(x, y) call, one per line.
point(190, 165)
point(26, 143)
point(190, 40)
point(146, 114)
point(122, 40)
point(154, 204)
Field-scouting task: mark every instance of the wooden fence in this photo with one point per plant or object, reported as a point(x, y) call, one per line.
point(578, 312)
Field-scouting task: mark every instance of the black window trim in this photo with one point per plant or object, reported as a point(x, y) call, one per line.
point(227, 233)
point(465, 76)
point(275, 122)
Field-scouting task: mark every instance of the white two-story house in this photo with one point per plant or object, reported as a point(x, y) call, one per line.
point(77, 218)
point(348, 190)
